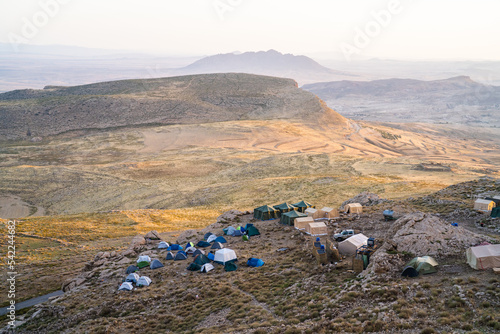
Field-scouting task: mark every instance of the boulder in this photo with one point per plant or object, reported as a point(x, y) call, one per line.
point(138, 240)
point(229, 215)
point(153, 235)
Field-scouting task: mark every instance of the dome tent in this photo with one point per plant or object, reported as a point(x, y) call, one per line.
point(144, 281)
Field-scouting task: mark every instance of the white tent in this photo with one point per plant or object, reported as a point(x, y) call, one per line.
point(311, 212)
point(133, 277)
point(190, 250)
point(330, 212)
point(484, 257)
point(350, 245)
point(316, 229)
point(207, 267)
point(126, 286)
point(224, 255)
point(353, 208)
point(163, 244)
point(144, 281)
point(143, 258)
point(211, 238)
point(301, 223)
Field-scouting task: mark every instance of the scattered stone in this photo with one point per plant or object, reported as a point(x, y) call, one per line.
point(153, 235)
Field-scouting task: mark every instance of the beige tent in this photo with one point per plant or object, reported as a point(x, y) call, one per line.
point(484, 257)
point(301, 223)
point(350, 245)
point(330, 213)
point(484, 205)
point(315, 214)
point(353, 208)
point(316, 229)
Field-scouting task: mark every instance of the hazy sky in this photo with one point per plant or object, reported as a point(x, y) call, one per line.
point(404, 29)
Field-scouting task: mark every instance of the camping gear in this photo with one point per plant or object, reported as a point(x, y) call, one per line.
point(194, 267)
point(205, 237)
point(303, 206)
point(351, 244)
point(202, 243)
point(190, 250)
point(143, 258)
point(211, 256)
point(301, 223)
point(252, 231)
point(409, 271)
point(225, 255)
point(142, 264)
point(230, 266)
point(241, 229)
point(201, 259)
point(216, 245)
point(265, 212)
point(353, 208)
point(283, 208)
point(170, 256)
point(228, 230)
point(180, 256)
point(131, 269)
point(144, 281)
point(388, 215)
point(315, 214)
point(484, 257)
point(288, 218)
point(174, 247)
point(126, 286)
point(423, 264)
point(245, 238)
point(484, 205)
point(221, 240)
point(495, 213)
point(253, 262)
point(132, 278)
point(371, 242)
point(211, 238)
point(189, 244)
point(454, 224)
point(316, 229)
point(156, 264)
point(236, 233)
point(327, 212)
point(206, 268)
point(163, 244)
point(198, 251)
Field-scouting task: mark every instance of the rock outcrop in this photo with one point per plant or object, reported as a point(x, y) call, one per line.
point(365, 199)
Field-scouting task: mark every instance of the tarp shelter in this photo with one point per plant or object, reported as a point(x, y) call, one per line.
point(288, 218)
point(206, 268)
point(315, 214)
point(353, 208)
point(316, 228)
point(197, 252)
point(170, 256)
point(202, 243)
point(156, 264)
point(174, 247)
point(144, 281)
point(484, 205)
point(423, 264)
point(131, 269)
point(221, 240)
point(201, 259)
point(409, 271)
point(205, 237)
point(211, 238)
point(194, 267)
point(225, 255)
point(283, 208)
point(132, 278)
point(236, 233)
point(230, 266)
point(302, 206)
point(351, 244)
point(330, 212)
point(127, 286)
point(253, 262)
point(484, 257)
point(495, 213)
point(252, 230)
point(265, 212)
point(163, 244)
point(229, 230)
point(180, 256)
point(300, 223)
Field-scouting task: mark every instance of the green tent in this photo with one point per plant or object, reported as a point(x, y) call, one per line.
point(143, 264)
point(265, 212)
point(283, 208)
point(201, 259)
point(423, 264)
point(230, 266)
point(194, 267)
point(495, 212)
point(288, 218)
point(302, 206)
point(252, 230)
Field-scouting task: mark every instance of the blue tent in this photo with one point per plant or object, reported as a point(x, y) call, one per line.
point(182, 252)
point(248, 225)
point(156, 264)
point(189, 244)
point(221, 240)
point(202, 244)
point(174, 247)
point(132, 269)
point(217, 245)
point(253, 262)
point(170, 256)
point(207, 235)
point(180, 256)
point(242, 229)
point(237, 233)
point(211, 256)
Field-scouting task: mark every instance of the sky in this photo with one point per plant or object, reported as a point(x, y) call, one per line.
point(393, 29)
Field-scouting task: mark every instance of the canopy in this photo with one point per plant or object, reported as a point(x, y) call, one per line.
point(302, 206)
point(265, 212)
point(284, 207)
point(288, 218)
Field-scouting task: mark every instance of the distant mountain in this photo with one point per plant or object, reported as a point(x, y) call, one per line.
point(455, 100)
point(300, 68)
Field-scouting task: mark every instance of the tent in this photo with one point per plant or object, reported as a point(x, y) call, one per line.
point(230, 266)
point(127, 286)
point(194, 267)
point(197, 252)
point(283, 208)
point(484, 257)
point(248, 225)
point(206, 268)
point(245, 238)
point(189, 244)
point(170, 256)
point(201, 259)
point(144, 281)
point(236, 233)
point(423, 264)
point(190, 250)
point(253, 262)
point(156, 264)
point(143, 258)
point(228, 230)
point(174, 247)
point(300, 223)
point(265, 212)
point(288, 218)
point(225, 255)
point(132, 278)
point(302, 206)
point(252, 230)
point(409, 271)
point(205, 237)
point(351, 244)
point(131, 269)
point(315, 214)
point(203, 244)
point(316, 228)
point(217, 245)
point(495, 213)
point(221, 240)
point(211, 256)
point(241, 229)
point(180, 256)
point(330, 212)
point(211, 238)
point(163, 244)
point(353, 208)
point(484, 205)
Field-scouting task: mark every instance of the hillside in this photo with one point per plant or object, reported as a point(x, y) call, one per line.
point(457, 100)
